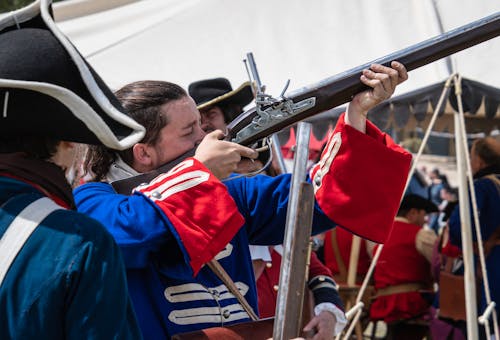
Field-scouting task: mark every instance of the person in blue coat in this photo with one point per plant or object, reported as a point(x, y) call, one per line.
point(172, 290)
point(485, 165)
point(61, 273)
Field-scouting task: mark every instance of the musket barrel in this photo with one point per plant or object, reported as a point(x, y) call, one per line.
point(339, 89)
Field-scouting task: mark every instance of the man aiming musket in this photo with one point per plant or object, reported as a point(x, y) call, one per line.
point(171, 289)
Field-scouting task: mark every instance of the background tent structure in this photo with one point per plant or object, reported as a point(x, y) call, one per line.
point(304, 41)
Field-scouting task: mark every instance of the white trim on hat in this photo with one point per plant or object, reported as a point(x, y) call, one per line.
point(91, 119)
point(225, 96)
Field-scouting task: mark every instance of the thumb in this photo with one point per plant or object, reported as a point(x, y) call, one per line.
point(311, 325)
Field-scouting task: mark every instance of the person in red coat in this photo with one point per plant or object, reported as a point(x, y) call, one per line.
point(328, 316)
point(338, 242)
point(403, 274)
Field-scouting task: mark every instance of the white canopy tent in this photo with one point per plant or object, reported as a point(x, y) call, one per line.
point(305, 41)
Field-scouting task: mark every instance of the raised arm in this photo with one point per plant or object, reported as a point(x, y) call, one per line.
point(383, 81)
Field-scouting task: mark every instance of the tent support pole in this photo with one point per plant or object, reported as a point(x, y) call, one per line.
point(465, 225)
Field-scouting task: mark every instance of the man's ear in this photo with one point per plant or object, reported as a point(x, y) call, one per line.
point(142, 155)
point(482, 163)
point(64, 155)
point(411, 214)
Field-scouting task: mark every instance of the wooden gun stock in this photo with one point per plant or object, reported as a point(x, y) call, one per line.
point(125, 186)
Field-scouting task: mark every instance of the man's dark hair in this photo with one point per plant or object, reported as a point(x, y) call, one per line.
point(142, 100)
point(34, 147)
point(488, 149)
point(403, 212)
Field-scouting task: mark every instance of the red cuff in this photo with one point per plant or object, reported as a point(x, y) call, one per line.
point(360, 179)
point(200, 208)
point(317, 268)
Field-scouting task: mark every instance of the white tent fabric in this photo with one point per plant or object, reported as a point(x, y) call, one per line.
point(305, 41)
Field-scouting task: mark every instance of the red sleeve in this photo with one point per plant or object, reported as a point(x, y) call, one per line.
point(199, 207)
point(322, 284)
point(360, 179)
point(316, 267)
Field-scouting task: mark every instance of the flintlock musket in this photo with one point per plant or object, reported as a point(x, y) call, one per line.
point(271, 115)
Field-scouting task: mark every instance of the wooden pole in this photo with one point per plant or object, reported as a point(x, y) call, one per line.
point(292, 281)
point(353, 261)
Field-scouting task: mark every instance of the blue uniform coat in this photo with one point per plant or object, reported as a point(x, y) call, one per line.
point(167, 298)
point(488, 204)
point(67, 282)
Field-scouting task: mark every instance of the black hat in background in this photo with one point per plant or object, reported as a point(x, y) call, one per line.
point(209, 92)
point(48, 89)
point(418, 202)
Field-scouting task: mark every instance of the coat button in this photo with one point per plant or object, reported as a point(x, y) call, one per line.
point(276, 287)
point(317, 181)
point(215, 293)
point(269, 264)
point(226, 314)
point(156, 195)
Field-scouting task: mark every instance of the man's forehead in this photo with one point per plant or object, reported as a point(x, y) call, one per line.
point(180, 112)
point(179, 105)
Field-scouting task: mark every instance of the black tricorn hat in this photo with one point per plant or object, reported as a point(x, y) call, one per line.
point(209, 92)
point(418, 202)
point(48, 89)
